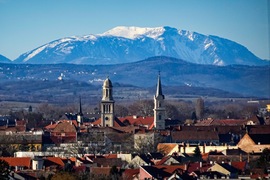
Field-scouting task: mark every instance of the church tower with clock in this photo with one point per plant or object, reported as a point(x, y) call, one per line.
point(107, 104)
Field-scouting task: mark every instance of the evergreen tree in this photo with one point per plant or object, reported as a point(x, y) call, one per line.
point(197, 152)
point(114, 173)
point(264, 160)
point(4, 169)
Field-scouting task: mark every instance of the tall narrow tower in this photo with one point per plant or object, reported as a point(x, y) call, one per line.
point(80, 114)
point(159, 109)
point(107, 104)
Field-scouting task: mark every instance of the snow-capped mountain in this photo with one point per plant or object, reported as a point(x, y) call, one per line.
point(4, 59)
point(129, 44)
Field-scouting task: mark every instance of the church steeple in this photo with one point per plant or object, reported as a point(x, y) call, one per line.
point(107, 104)
point(80, 107)
point(159, 109)
point(159, 88)
point(80, 114)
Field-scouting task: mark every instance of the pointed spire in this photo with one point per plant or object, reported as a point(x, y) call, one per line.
point(80, 108)
point(159, 89)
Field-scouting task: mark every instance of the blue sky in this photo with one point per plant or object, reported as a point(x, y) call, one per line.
point(27, 24)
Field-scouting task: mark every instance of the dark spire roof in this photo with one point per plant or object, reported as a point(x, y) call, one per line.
point(80, 108)
point(159, 89)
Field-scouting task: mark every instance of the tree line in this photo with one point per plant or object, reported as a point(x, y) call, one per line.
point(180, 110)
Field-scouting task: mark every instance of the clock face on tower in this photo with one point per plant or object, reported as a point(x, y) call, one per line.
point(106, 118)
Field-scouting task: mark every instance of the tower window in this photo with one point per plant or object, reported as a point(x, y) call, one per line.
point(159, 117)
point(107, 93)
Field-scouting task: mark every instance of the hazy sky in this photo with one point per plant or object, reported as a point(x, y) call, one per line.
point(27, 24)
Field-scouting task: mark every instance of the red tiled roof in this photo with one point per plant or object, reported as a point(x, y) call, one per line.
point(205, 156)
point(239, 165)
point(198, 135)
point(97, 122)
point(139, 121)
point(166, 148)
point(130, 173)
point(229, 122)
point(54, 125)
point(196, 167)
point(259, 129)
point(126, 129)
point(222, 122)
point(54, 161)
point(17, 161)
point(65, 126)
point(109, 156)
point(50, 126)
point(73, 159)
point(163, 160)
point(100, 170)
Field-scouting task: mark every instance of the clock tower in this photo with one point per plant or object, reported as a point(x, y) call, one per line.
point(107, 104)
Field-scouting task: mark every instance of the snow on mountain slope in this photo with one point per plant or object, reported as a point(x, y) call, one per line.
point(134, 32)
point(128, 44)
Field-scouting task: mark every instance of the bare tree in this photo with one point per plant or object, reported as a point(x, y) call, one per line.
point(147, 143)
point(142, 108)
point(185, 109)
point(171, 111)
point(120, 110)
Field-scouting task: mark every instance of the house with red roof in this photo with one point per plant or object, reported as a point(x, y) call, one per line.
point(163, 172)
point(18, 163)
point(63, 131)
point(131, 174)
point(147, 122)
point(171, 160)
point(241, 166)
point(197, 137)
point(53, 163)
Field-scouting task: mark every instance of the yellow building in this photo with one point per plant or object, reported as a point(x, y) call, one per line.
point(268, 107)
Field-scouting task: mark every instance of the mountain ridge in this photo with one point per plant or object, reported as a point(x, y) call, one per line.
point(242, 79)
point(128, 44)
point(4, 59)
